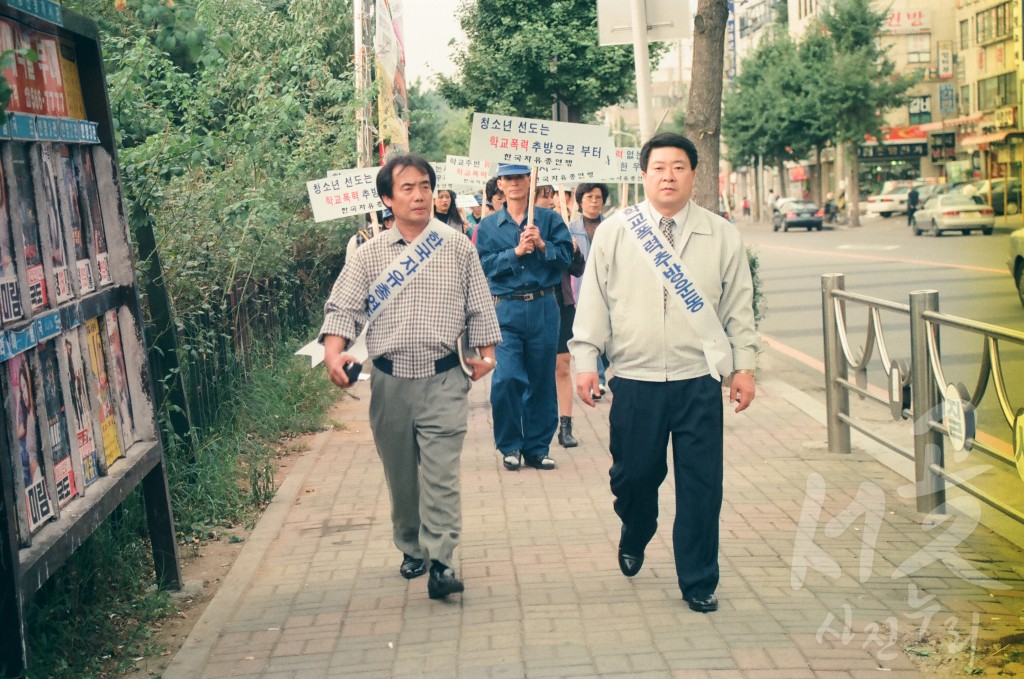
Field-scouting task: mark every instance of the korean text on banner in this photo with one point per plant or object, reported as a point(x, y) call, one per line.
point(540, 143)
point(344, 194)
point(466, 174)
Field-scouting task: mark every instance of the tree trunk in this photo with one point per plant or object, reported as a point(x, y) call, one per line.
point(853, 187)
point(704, 111)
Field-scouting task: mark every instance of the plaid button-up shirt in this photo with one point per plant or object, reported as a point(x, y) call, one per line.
point(421, 324)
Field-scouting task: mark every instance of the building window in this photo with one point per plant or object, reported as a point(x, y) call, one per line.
point(993, 23)
point(920, 110)
point(965, 34)
point(965, 100)
point(919, 48)
point(998, 91)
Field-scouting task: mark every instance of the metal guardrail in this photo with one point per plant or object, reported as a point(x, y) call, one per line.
point(918, 390)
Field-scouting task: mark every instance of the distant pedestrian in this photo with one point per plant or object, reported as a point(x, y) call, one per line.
point(418, 395)
point(523, 256)
point(746, 207)
point(913, 200)
point(672, 343)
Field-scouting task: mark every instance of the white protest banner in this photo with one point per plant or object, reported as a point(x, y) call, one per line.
point(467, 174)
point(625, 165)
point(466, 201)
point(540, 143)
point(344, 193)
point(571, 177)
point(441, 180)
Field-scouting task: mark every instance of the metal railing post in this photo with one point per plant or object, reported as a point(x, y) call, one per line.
point(926, 406)
point(837, 399)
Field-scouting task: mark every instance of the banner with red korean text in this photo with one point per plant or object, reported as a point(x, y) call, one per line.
point(545, 144)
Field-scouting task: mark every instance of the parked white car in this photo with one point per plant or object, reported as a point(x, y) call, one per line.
point(888, 204)
point(954, 212)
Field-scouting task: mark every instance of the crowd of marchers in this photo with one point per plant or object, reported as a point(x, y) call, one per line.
point(658, 295)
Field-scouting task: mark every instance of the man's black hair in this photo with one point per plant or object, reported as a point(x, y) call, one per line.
point(587, 188)
point(668, 139)
point(386, 176)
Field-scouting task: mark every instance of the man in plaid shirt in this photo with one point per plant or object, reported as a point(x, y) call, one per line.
point(418, 394)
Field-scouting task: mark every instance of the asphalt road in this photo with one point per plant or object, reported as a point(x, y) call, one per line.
point(882, 258)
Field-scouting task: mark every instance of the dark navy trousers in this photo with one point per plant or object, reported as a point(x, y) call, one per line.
point(644, 415)
point(524, 407)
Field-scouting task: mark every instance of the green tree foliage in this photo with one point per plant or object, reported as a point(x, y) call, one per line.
point(435, 129)
point(522, 55)
point(223, 110)
point(768, 106)
point(864, 84)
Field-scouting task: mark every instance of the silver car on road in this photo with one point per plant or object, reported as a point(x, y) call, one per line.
point(954, 212)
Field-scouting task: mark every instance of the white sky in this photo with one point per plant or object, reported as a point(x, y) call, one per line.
point(428, 26)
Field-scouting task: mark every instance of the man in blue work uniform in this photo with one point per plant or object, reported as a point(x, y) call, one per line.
point(523, 260)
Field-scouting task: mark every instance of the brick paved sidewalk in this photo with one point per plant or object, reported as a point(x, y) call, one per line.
point(316, 591)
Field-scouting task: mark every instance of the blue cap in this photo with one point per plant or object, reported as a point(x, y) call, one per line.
point(505, 169)
point(387, 214)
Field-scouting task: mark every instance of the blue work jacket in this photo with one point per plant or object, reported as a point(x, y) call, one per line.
point(496, 240)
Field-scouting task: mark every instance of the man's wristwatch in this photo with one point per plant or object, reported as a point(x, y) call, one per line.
point(489, 361)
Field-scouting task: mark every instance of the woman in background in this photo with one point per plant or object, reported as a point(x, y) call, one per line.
point(446, 210)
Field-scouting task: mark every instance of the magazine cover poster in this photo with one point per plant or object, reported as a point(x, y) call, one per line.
point(21, 206)
point(65, 487)
point(29, 464)
point(52, 224)
point(10, 293)
point(108, 419)
point(73, 220)
point(53, 79)
point(79, 413)
point(119, 384)
point(89, 191)
point(30, 74)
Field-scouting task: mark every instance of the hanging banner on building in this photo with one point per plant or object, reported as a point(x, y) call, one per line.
point(947, 99)
point(944, 67)
point(541, 143)
point(345, 193)
point(392, 102)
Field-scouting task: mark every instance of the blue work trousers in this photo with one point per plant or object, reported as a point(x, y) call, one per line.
point(524, 406)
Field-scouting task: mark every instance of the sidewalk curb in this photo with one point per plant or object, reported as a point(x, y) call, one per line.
point(192, 657)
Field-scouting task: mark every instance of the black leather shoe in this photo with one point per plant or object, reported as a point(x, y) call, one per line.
point(442, 582)
point(542, 462)
point(412, 567)
point(630, 564)
point(703, 604)
point(512, 460)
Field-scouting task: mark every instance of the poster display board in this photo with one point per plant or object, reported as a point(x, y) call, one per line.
point(78, 432)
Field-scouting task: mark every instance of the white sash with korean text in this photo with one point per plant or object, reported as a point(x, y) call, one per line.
point(683, 288)
point(394, 278)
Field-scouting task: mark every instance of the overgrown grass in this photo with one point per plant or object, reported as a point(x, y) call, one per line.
point(95, 615)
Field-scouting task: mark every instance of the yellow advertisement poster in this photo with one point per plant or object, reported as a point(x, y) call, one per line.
point(108, 420)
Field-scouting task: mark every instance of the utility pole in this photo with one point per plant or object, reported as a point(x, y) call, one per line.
point(638, 18)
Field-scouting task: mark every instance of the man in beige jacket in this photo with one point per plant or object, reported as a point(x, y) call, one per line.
point(663, 343)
